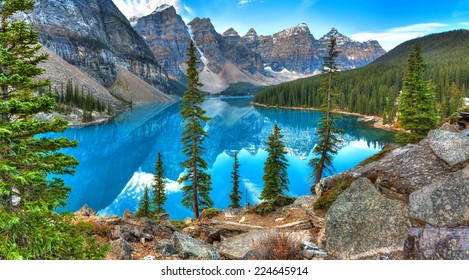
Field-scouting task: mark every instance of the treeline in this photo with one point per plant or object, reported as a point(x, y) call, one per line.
point(373, 89)
point(74, 96)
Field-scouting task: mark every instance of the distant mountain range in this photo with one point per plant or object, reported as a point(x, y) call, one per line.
point(373, 89)
point(229, 58)
point(143, 60)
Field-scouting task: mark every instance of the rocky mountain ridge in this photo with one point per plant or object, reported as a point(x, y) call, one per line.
point(95, 37)
point(229, 58)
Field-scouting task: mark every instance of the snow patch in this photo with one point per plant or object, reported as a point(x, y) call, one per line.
point(162, 8)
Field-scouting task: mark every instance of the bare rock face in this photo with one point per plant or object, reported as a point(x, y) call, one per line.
point(352, 54)
point(120, 250)
point(443, 203)
point(363, 221)
point(96, 37)
point(191, 248)
point(168, 38)
point(293, 49)
point(451, 147)
point(437, 244)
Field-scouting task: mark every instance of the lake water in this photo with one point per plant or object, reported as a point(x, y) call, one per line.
point(117, 159)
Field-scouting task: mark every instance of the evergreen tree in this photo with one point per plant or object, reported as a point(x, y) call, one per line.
point(144, 208)
point(417, 105)
point(275, 168)
point(235, 195)
point(29, 192)
point(159, 193)
point(327, 144)
point(197, 182)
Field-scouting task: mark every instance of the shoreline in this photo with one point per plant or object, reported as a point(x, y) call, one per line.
point(377, 122)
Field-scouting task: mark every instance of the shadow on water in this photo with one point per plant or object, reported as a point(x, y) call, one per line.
point(117, 158)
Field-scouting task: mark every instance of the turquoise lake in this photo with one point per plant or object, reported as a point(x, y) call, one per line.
point(117, 159)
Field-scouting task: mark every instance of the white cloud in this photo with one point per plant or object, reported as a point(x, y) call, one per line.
point(464, 23)
point(390, 38)
point(188, 10)
point(243, 3)
point(141, 8)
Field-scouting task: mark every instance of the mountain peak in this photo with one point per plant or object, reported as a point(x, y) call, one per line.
point(230, 32)
point(251, 32)
point(341, 38)
point(162, 8)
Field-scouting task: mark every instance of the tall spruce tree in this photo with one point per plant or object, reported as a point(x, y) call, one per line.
point(327, 144)
point(159, 192)
point(275, 168)
point(235, 195)
point(197, 183)
point(417, 105)
point(144, 207)
point(29, 192)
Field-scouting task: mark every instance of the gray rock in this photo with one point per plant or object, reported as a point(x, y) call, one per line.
point(437, 243)
point(164, 247)
point(120, 250)
point(445, 202)
point(191, 248)
point(127, 215)
point(363, 222)
point(305, 201)
point(405, 170)
point(451, 147)
point(86, 211)
point(238, 247)
point(449, 127)
point(163, 217)
point(311, 250)
point(149, 258)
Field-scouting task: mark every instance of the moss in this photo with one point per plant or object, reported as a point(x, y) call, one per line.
point(270, 205)
point(339, 185)
point(209, 213)
point(386, 149)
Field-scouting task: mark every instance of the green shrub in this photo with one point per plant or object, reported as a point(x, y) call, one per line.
point(270, 205)
point(178, 224)
point(338, 185)
point(386, 149)
point(209, 213)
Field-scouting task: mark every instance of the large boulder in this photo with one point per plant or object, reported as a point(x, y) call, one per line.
point(405, 170)
point(238, 247)
point(363, 222)
point(444, 202)
point(120, 250)
point(437, 243)
point(451, 147)
point(191, 248)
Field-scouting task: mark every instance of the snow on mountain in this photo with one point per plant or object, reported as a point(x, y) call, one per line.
point(139, 8)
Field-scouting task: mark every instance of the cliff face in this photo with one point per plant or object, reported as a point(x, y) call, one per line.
point(96, 37)
point(292, 49)
point(168, 38)
point(352, 54)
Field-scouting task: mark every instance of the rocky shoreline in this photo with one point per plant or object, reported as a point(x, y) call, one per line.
point(377, 121)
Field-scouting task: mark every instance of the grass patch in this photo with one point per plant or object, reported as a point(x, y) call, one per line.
point(270, 205)
point(386, 149)
point(339, 185)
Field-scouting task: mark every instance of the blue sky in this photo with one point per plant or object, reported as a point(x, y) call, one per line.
point(389, 22)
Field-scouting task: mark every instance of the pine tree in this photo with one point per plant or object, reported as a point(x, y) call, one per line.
point(275, 168)
point(197, 182)
point(235, 195)
point(327, 144)
point(29, 190)
point(417, 105)
point(159, 193)
point(144, 208)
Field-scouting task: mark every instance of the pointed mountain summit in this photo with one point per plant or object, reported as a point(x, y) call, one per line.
point(168, 38)
point(230, 32)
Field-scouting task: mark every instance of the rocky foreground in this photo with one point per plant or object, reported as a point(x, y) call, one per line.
point(413, 203)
